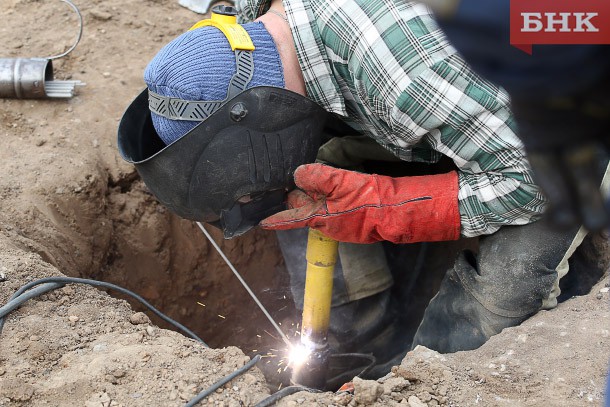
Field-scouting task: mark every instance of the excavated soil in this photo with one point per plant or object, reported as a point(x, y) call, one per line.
point(70, 206)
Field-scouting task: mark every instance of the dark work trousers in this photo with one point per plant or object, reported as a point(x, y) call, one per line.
point(507, 281)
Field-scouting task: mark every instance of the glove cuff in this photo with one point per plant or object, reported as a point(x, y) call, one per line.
point(428, 213)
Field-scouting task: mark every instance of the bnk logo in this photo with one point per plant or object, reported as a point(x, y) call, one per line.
point(559, 22)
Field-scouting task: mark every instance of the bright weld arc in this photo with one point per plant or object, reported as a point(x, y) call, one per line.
point(299, 354)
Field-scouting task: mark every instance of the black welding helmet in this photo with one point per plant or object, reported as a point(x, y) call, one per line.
point(236, 165)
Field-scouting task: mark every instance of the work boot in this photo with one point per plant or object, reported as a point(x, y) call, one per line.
point(455, 321)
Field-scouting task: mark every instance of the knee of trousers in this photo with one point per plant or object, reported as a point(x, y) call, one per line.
point(515, 268)
point(514, 289)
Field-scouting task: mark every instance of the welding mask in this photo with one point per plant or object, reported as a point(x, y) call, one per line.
point(235, 162)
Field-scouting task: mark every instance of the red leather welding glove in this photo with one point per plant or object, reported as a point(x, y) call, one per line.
point(354, 207)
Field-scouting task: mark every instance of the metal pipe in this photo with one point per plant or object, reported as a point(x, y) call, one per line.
point(24, 78)
point(32, 78)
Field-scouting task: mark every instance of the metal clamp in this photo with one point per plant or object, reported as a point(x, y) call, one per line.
point(198, 6)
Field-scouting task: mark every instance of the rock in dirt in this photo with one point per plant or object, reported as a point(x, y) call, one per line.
point(139, 318)
point(394, 384)
point(99, 400)
point(100, 15)
point(414, 401)
point(366, 391)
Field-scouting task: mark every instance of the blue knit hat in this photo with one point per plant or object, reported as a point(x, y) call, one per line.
point(199, 64)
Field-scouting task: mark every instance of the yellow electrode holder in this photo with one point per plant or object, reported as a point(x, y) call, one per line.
point(225, 19)
point(321, 258)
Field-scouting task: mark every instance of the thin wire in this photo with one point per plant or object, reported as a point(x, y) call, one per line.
point(241, 280)
point(192, 402)
point(80, 31)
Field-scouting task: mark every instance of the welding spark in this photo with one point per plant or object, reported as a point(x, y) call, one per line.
point(203, 305)
point(267, 332)
point(298, 355)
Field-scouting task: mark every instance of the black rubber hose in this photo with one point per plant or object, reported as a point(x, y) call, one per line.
point(14, 303)
point(61, 281)
point(222, 382)
point(286, 391)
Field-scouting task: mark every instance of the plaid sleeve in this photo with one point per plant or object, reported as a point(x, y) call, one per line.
point(467, 119)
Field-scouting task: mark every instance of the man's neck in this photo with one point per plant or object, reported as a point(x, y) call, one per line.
point(279, 29)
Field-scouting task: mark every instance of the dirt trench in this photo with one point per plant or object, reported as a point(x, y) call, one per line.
point(118, 232)
point(69, 205)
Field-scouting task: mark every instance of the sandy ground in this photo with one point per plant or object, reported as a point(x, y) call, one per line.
point(69, 205)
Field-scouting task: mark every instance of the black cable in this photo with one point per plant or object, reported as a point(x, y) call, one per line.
point(51, 283)
point(61, 281)
point(222, 382)
point(372, 360)
point(286, 391)
point(15, 302)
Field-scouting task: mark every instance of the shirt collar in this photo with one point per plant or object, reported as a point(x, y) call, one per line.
point(320, 82)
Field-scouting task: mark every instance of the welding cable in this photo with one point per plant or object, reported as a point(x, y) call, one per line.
point(222, 382)
point(286, 391)
point(17, 299)
point(372, 360)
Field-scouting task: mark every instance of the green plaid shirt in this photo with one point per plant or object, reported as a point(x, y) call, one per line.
point(388, 70)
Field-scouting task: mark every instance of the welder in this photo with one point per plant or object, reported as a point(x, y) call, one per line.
point(378, 83)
